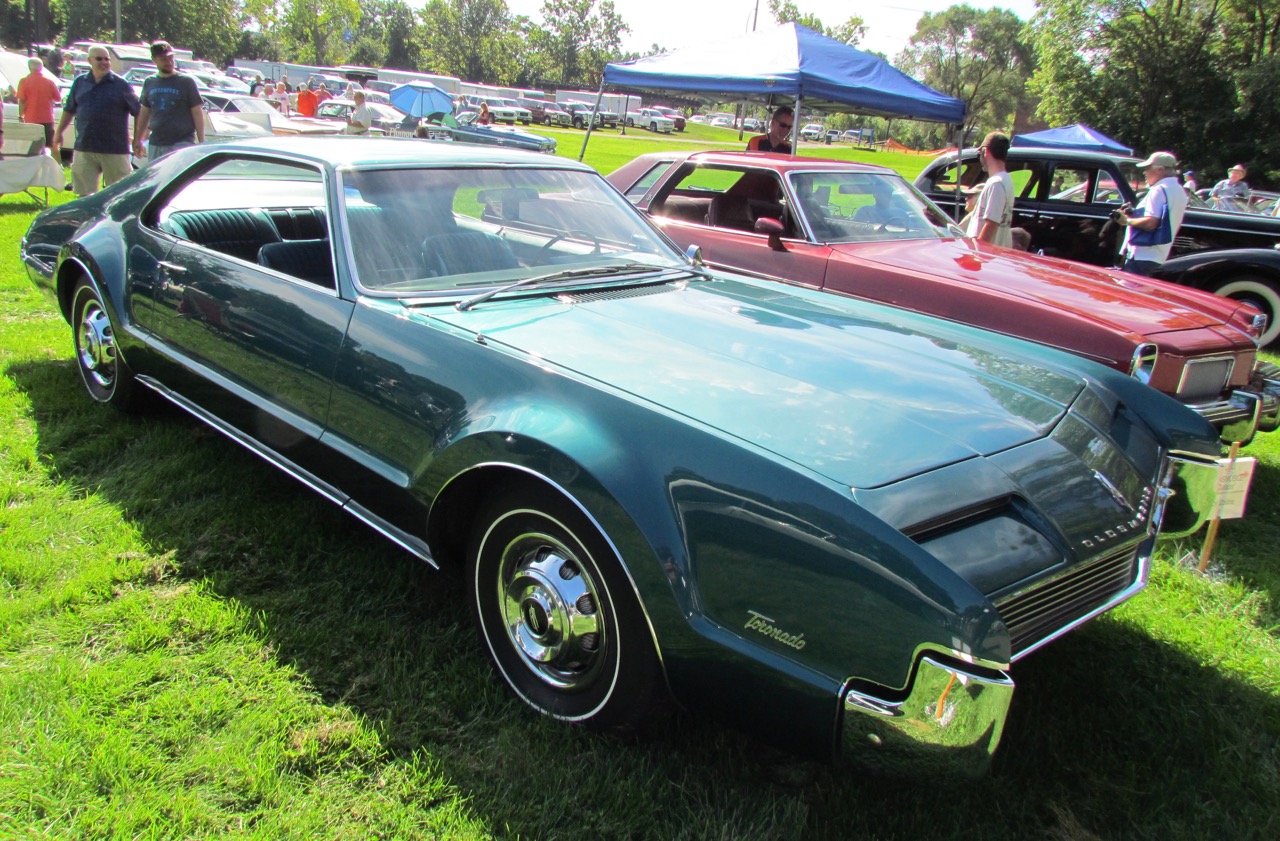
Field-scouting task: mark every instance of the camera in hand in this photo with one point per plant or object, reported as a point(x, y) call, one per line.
point(1120, 212)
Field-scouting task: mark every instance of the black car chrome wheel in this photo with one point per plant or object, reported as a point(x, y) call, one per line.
point(558, 616)
point(103, 371)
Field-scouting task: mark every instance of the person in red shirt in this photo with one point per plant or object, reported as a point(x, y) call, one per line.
point(37, 93)
point(307, 100)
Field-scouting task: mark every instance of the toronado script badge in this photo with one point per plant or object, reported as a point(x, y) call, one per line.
point(764, 625)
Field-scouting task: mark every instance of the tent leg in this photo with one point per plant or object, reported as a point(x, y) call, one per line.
point(592, 123)
point(795, 128)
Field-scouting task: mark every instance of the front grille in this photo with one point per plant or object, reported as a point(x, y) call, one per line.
point(1044, 608)
point(1203, 379)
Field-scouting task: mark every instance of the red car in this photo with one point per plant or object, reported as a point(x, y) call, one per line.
point(865, 231)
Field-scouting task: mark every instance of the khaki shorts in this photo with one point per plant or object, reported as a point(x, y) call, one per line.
point(90, 168)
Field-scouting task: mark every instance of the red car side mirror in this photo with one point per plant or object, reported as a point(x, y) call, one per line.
point(772, 227)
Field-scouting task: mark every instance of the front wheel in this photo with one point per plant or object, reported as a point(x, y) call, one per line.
point(557, 614)
point(1263, 294)
point(103, 371)
point(631, 123)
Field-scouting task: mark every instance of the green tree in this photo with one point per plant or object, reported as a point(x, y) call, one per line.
point(386, 36)
point(470, 39)
point(977, 56)
point(318, 31)
point(578, 38)
point(851, 32)
point(1155, 75)
point(209, 28)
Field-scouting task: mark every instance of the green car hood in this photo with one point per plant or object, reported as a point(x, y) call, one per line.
point(864, 401)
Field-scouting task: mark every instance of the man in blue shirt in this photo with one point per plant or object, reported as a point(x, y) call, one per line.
point(101, 103)
point(172, 109)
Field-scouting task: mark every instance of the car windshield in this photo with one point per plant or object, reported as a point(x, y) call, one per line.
point(867, 206)
point(420, 231)
point(249, 105)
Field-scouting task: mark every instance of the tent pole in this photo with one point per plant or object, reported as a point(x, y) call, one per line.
point(795, 129)
point(592, 123)
point(959, 172)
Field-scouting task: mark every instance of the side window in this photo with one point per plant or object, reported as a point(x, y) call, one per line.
point(724, 198)
point(945, 179)
point(1071, 184)
point(1028, 177)
point(258, 211)
point(1107, 191)
point(637, 190)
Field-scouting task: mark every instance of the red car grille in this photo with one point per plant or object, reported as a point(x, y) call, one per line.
point(1044, 608)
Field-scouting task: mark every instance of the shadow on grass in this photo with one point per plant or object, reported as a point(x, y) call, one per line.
point(1112, 734)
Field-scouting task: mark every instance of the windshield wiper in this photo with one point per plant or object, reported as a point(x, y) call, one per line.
point(567, 274)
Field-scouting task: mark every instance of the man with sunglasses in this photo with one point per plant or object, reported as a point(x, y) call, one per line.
point(779, 130)
point(102, 104)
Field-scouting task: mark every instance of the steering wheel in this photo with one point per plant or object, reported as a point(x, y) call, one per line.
point(576, 233)
point(897, 220)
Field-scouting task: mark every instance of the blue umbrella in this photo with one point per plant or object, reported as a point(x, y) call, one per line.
point(418, 99)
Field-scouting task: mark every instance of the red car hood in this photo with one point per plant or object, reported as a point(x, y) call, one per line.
point(1122, 301)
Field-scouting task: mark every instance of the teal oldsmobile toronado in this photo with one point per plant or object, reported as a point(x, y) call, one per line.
point(815, 517)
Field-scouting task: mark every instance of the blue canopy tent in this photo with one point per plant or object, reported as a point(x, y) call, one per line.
point(787, 62)
point(1078, 136)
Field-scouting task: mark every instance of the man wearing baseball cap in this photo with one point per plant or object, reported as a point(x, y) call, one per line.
point(1153, 224)
point(172, 111)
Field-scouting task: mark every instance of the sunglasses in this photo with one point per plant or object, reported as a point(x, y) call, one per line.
point(784, 125)
point(99, 58)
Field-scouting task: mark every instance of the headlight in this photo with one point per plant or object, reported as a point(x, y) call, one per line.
point(1144, 362)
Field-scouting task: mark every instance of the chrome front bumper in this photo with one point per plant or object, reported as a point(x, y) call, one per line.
point(949, 722)
point(1188, 495)
point(1242, 414)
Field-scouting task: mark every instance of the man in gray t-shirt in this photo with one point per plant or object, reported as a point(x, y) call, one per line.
point(172, 109)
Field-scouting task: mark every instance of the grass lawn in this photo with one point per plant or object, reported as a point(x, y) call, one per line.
point(194, 646)
point(609, 149)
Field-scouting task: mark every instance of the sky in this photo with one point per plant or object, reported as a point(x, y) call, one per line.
point(675, 24)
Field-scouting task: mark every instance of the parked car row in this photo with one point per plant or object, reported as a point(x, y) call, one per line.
point(1064, 199)
point(652, 119)
point(864, 231)
point(656, 480)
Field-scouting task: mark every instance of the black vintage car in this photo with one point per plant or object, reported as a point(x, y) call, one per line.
point(1064, 199)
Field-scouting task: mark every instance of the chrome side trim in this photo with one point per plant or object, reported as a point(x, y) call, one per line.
point(398, 536)
point(950, 721)
point(1143, 362)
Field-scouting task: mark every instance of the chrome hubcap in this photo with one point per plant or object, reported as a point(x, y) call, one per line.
point(96, 346)
point(550, 611)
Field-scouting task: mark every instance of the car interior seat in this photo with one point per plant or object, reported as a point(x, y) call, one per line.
point(467, 252)
point(308, 259)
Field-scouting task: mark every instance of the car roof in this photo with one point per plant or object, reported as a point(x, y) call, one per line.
point(1022, 152)
point(779, 163)
point(358, 152)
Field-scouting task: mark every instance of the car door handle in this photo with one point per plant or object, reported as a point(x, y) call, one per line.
point(171, 267)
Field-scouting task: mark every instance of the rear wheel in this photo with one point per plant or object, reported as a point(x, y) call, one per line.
point(103, 371)
point(557, 614)
point(1263, 294)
